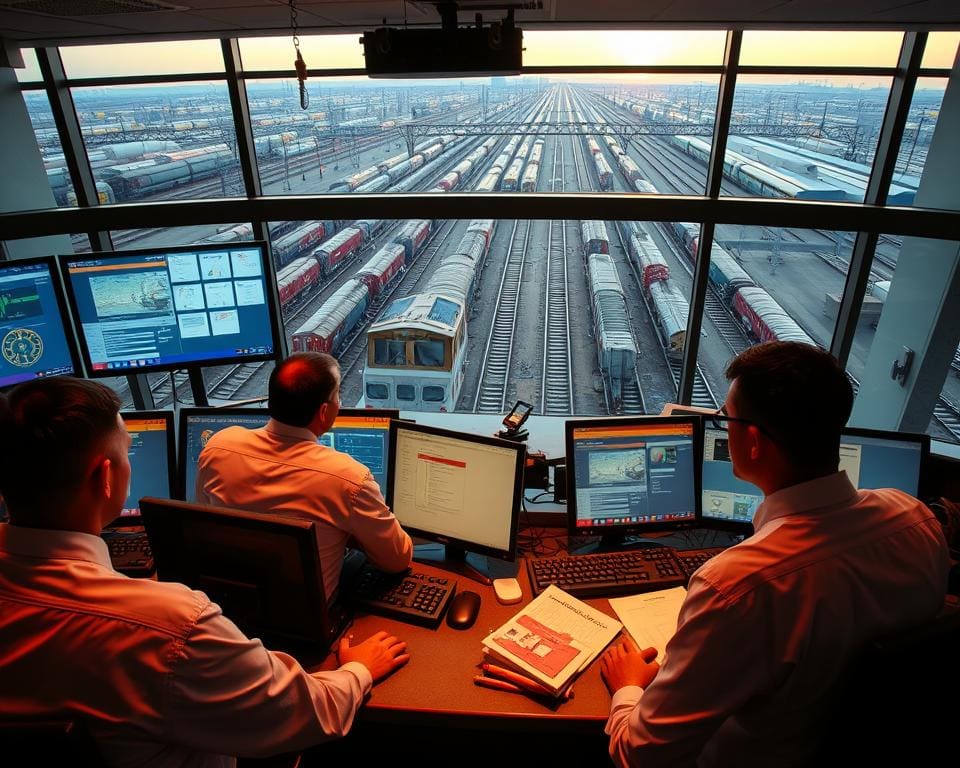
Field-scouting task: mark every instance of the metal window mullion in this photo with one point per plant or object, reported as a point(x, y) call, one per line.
point(71, 138)
point(878, 187)
point(725, 94)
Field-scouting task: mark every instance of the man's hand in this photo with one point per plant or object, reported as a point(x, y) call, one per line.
point(625, 664)
point(380, 653)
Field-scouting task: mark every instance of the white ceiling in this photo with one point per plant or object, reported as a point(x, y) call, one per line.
point(44, 22)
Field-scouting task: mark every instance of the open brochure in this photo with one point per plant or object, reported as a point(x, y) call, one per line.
point(552, 639)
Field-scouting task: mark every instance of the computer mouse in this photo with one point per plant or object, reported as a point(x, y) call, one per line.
point(463, 610)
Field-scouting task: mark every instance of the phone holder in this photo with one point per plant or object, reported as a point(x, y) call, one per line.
point(516, 435)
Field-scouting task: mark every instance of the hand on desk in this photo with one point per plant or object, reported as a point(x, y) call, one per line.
point(380, 653)
point(625, 664)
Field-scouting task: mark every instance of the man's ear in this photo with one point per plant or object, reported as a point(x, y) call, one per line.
point(755, 438)
point(102, 476)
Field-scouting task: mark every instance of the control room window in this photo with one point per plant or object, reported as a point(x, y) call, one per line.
point(389, 352)
point(429, 353)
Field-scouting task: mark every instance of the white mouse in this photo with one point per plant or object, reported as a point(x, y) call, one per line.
point(507, 591)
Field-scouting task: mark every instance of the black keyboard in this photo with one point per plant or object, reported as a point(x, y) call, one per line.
point(412, 596)
point(691, 559)
point(608, 574)
point(130, 552)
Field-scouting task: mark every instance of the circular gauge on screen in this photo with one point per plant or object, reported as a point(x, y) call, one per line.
point(22, 347)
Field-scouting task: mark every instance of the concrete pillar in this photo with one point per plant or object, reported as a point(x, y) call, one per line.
point(922, 310)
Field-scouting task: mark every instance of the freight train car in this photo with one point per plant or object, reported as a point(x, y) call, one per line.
point(616, 348)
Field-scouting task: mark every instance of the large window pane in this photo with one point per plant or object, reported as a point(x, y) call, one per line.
point(801, 140)
point(820, 49)
point(31, 69)
point(769, 283)
point(160, 142)
point(163, 58)
point(917, 134)
point(622, 47)
point(589, 137)
point(173, 236)
point(318, 51)
point(941, 49)
point(48, 140)
point(945, 420)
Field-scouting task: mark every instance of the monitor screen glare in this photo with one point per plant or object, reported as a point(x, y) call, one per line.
point(171, 308)
point(632, 474)
point(34, 341)
point(151, 449)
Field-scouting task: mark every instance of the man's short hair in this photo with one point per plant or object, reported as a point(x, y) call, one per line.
point(799, 393)
point(299, 385)
point(51, 429)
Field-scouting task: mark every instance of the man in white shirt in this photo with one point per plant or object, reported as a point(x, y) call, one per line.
point(769, 624)
point(154, 670)
point(282, 468)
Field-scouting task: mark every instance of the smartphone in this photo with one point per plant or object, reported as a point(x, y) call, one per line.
point(514, 420)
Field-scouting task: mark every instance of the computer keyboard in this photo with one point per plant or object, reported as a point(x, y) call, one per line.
point(691, 559)
point(130, 552)
point(412, 596)
point(610, 573)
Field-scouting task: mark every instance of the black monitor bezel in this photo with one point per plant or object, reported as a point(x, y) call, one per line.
point(270, 293)
point(167, 416)
point(634, 529)
point(900, 437)
point(509, 554)
point(66, 318)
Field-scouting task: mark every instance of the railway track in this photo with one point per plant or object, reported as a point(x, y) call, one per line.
point(491, 394)
point(556, 386)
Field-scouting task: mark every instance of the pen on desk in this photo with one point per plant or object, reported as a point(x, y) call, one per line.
point(502, 685)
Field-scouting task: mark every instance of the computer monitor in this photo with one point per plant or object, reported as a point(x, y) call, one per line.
point(35, 335)
point(152, 467)
point(872, 459)
point(628, 476)
point(167, 308)
point(263, 569)
point(463, 491)
point(197, 426)
point(363, 433)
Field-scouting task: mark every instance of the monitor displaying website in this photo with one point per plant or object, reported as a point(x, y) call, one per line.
point(726, 498)
point(365, 435)
point(150, 454)
point(632, 473)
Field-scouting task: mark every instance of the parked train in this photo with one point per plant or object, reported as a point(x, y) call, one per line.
point(416, 349)
point(762, 317)
point(612, 329)
point(166, 170)
point(338, 317)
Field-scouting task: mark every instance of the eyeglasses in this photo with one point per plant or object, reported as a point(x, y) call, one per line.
point(720, 419)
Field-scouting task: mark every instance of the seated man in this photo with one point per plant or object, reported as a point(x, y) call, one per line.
point(154, 670)
point(768, 625)
point(282, 468)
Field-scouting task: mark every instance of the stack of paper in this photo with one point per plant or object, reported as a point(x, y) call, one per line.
point(552, 639)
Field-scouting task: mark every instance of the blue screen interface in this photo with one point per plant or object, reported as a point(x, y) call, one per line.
point(149, 455)
point(200, 428)
point(634, 474)
point(870, 462)
point(160, 309)
point(33, 341)
point(365, 438)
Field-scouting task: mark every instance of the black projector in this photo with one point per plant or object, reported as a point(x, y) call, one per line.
point(467, 51)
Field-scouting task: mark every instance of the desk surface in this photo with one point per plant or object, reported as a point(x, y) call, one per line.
point(436, 685)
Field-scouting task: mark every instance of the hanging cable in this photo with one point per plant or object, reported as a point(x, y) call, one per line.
point(299, 63)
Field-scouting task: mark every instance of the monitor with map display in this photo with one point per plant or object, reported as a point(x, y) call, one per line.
point(167, 308)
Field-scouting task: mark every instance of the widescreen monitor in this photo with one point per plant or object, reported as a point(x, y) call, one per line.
point(151, 454)
point(463, 491)
point(363, 433)
point(871, 459)
point(262, 569)
point(167, 308)
point(35, 335)
point(632, 475)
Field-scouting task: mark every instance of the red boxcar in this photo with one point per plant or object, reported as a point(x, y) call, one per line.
point(294, 280)
point(331, 254)
point(382, 268)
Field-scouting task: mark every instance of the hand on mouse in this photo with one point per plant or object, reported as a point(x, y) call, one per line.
point(380, 653)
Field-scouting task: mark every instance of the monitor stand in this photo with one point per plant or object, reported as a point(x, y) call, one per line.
point(455, 559)
point(197, 387)
point(615, 542)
